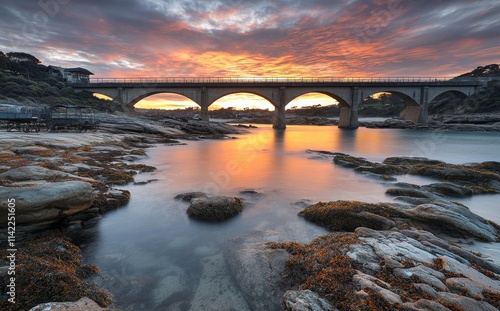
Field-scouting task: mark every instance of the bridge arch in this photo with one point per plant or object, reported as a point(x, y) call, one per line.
point(270, 96)
point(138, 97)
point(410, 98)
point(341, 101)
point(253, 94)
point(457, 93)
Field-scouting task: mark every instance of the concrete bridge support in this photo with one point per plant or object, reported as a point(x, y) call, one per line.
point(279, 120)
point(349, 113)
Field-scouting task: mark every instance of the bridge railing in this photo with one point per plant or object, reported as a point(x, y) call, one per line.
point(266, 80)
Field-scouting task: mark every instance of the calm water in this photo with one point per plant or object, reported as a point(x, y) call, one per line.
point(161, 260)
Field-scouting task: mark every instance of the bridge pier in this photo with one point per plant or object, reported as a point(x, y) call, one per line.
point(204, 104)
point(279, 120)
point(349, 114)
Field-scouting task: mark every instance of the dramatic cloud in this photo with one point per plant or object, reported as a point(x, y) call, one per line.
point(229, 38)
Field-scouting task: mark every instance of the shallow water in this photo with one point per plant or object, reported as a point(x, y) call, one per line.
point(158, 257)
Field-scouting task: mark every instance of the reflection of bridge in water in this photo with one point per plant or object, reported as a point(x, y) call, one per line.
point(349, 92)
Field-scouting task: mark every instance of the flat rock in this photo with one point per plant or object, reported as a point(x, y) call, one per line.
point(48, 201)
point(33, 172)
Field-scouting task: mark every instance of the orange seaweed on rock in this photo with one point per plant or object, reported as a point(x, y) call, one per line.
point(349, 215)
point(49, 268)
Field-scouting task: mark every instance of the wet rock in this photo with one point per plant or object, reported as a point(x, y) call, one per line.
point(347, 215)
point(214, 208)
point(454, 173)
point(424, 275)
point(453, 216)
point(257, 270)
point(188, 196)
point(410, 161)
point(215, 279)
point(391, 268)
point(39, 173)
point(112, 199)
point(305, 300)
point(465, 303)
point(302, 203)
point(33, 150)
point(449, 189)
point(251, 192)
point(84, 304)
point(366, 281)
point(48, 201)
point(456, 267)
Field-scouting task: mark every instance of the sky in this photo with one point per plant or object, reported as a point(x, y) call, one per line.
point(256, 38)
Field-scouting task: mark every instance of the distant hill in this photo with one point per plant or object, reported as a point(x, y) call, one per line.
point(492, 70)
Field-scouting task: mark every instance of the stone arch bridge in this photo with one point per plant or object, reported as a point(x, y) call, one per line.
point(349, 92)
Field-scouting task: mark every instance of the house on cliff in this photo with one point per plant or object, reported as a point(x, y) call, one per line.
point(71, 75)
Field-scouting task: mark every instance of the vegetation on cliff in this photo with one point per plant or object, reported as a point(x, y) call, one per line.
point(24, 80)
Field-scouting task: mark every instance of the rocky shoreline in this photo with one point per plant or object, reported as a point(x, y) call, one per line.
point(401, 255)
point(398, 256)
point(63, 183)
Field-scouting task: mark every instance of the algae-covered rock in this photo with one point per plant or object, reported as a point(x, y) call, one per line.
point(188, 196)
point(214, 208)
point(347, 215)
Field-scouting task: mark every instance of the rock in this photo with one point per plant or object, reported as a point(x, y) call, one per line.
point(453, 266)
point(449, 189)
point(424, 304)
point(460, 285)
point(424, 275)
point(33, 150)
point(39, 173)
point(465, 303)
point(257, 270)
point(48, 201)
point(366, 281)
point(302, 203)
point(84, 304)
point(215, 279)
point(214, 208)
point(410, 161)
point(251, 192)
point(346, 215)
point(305, 300)
point(188, 196)
point(453, 216)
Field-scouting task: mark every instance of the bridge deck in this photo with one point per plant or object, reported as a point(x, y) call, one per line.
point(273, 82)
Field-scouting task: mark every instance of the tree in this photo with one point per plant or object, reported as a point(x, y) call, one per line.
point(20, 57)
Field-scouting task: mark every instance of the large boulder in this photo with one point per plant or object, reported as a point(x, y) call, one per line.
point(48, 201)
point(214, 208)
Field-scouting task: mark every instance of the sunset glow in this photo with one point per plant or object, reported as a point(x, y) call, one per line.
point(313, 38)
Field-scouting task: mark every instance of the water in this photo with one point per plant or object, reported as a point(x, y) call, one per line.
point(158, 257)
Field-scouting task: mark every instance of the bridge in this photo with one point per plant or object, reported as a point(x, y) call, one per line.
point(349, 92)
